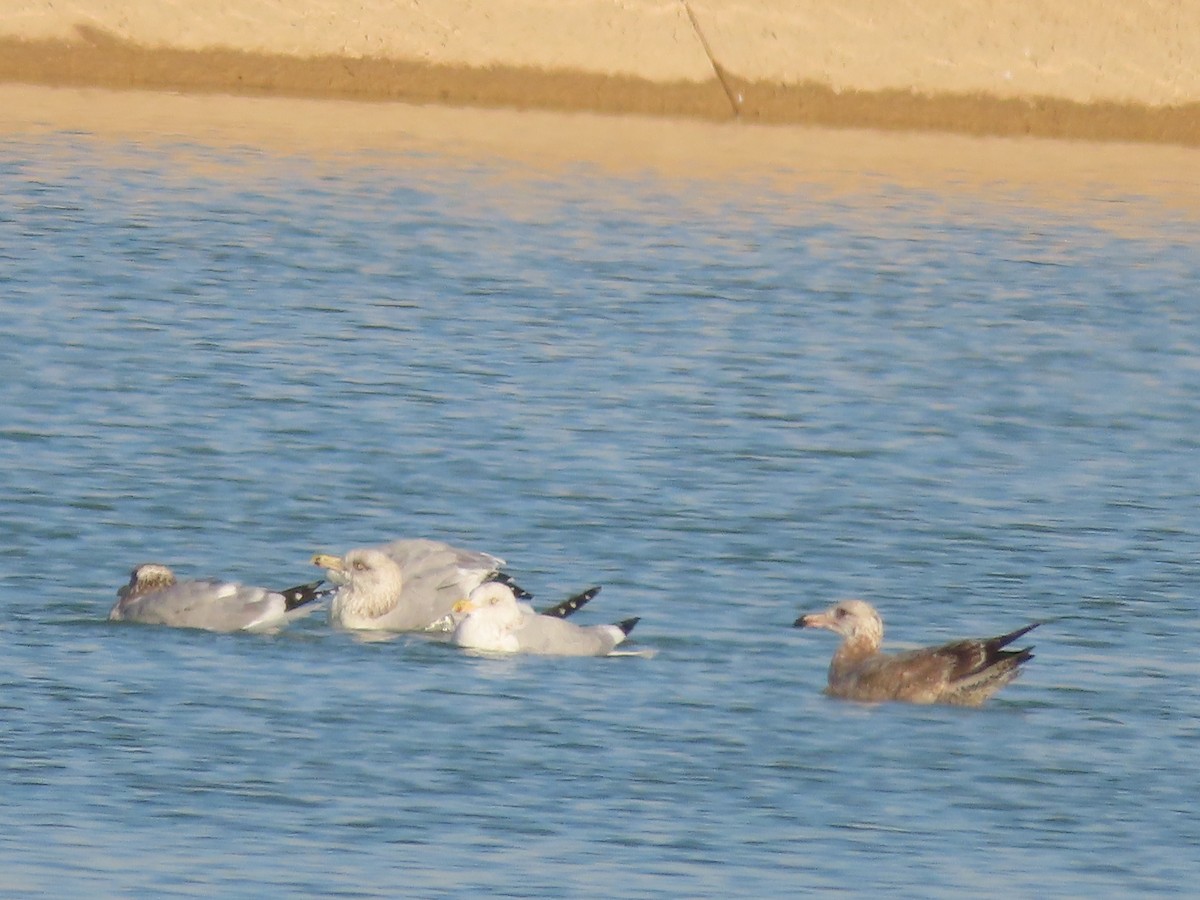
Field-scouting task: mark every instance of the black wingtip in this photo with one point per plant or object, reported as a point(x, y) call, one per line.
point(507, 580)
point(301, 594)
point(1005, 639)
point(626, 625)
point(571, 604)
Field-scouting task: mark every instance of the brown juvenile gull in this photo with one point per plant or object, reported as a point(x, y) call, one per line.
point(412, 585)
point(493, 621)
point(964, 673)
point(155, 597)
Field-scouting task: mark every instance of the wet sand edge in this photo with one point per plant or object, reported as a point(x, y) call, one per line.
point(103, 60)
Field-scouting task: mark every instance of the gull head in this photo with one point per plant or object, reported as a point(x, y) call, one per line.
point(370, 580)
point(494, 600)
point(488, 618)
point(144, 579)
point(854, 620)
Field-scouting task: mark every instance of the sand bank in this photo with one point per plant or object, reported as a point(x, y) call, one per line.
point(1073, 69)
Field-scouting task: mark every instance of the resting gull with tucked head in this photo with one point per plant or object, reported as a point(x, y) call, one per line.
point(492, 620)
point(963, 673)
point(155, 597)
point(412, 585)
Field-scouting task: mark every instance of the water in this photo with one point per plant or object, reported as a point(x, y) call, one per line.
point(727, 402)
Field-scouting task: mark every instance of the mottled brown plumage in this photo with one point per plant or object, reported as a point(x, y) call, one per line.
point(964, 673)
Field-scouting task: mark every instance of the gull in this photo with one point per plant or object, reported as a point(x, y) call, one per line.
point(963, 673)
point(562, 610)
point(155, 597)
point(492, 620)
point(413, 584)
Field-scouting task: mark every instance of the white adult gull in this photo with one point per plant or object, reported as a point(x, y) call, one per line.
point(492, 620)
point(154, 596)
point(412, 585)
point(962, 673)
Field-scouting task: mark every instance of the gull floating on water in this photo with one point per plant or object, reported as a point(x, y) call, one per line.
point(562, 610)
point(413, 584)
point(964, 673)
point(492, 620)
point(155, 597)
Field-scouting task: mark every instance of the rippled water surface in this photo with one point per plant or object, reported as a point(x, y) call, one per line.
point(727, 402)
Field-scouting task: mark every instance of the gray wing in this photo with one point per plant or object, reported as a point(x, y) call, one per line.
point(436, 576)
point(557, 637)
point(419, 554)
point(211, 605)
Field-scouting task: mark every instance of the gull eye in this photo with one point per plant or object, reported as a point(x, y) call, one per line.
point(840, 613)
point(358, 565)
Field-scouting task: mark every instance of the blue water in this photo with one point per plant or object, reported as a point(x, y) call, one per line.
point(726, 402)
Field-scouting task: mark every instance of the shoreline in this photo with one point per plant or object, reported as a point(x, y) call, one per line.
point(514, 145)
point(1085, 75)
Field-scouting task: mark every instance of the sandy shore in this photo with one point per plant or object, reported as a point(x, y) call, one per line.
point(519, 144)
point(1073, 69)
